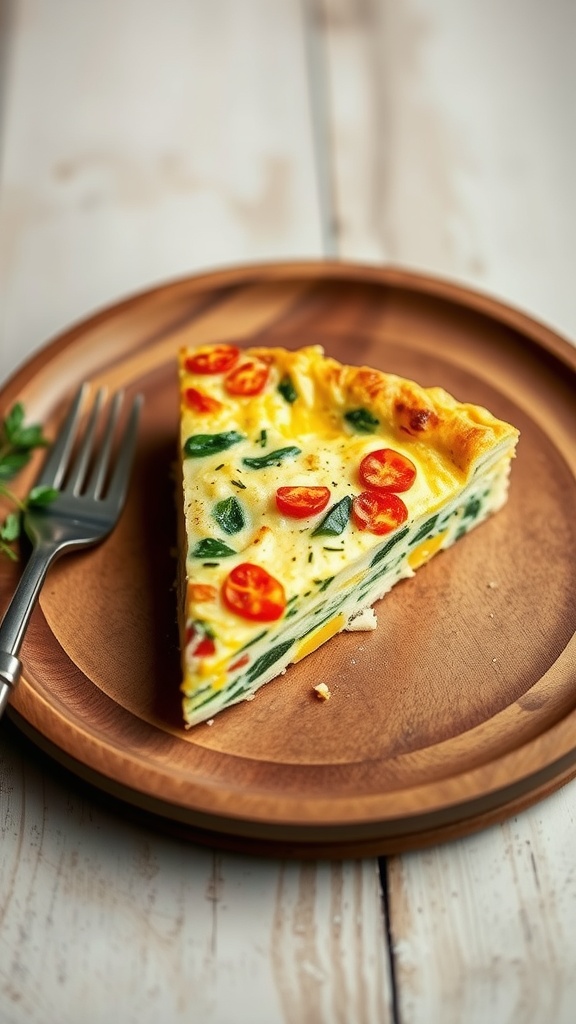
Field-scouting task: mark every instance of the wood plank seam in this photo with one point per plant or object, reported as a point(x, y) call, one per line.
point(392, 972)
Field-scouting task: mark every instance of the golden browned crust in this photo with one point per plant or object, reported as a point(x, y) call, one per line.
point(430, 418)
point(461, 432)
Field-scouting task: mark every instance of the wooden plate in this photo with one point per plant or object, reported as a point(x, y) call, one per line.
point(458, 711)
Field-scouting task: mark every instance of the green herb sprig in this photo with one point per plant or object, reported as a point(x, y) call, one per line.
point(17, 442)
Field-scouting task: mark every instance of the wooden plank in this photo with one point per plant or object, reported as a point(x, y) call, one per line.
point(454, 153)
point(483, 928)
point(346, 50)
point(144, 142)
point(103, 918)
point(453, 146)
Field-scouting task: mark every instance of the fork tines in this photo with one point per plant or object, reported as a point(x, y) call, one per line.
point(77, 465)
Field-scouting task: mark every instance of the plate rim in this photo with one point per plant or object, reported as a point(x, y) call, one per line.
point(444, 287)
point(544, 337)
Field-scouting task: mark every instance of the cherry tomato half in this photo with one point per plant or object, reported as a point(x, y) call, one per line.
point(378, 512)
point(387, 470)
point(301, 502)
point(212, 359)
point(248, 378)
point(200, 402)
point(204, 646)
point(253, 593)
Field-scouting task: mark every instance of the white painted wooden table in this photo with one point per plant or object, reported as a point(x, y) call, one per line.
point(146, 140)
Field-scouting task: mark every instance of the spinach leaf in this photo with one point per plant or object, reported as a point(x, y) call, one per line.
point(274, 458)
point(209, 547)
point(287, 389)
point(229, 515)
point(424, 530)
point(472, 509)
point(389, 545)
point(199, 445)
point(361, 420)
point(266, 660)
point(336, 519)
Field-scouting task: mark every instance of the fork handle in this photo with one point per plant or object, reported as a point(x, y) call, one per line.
point(10, 669)
point(17, 617)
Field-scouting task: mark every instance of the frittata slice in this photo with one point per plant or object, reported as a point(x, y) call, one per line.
point(309, 489)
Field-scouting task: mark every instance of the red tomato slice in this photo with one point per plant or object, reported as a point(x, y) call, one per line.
point(249, 378)
point(387, 470)
point(200, 402)
point(301, 502)
point(378, 512)
point(253, 593)
point(212, 359)
point(241, 663)
point(204, 646)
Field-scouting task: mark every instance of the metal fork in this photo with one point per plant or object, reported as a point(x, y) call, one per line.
point(90, 499)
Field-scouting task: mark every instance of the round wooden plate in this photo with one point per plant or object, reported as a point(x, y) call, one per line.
point(457, 711)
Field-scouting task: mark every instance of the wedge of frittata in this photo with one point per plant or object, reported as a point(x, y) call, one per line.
point(309, 488)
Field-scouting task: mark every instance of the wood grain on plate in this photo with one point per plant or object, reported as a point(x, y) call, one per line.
point(457, 711)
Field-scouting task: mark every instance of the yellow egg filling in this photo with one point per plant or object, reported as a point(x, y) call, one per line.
point(328, 630)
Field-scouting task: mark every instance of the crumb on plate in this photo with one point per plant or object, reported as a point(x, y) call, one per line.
point(365, 619)
point(322, 691)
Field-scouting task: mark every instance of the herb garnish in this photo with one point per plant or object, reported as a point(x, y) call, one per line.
point(17, 442)
point(323, 584)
